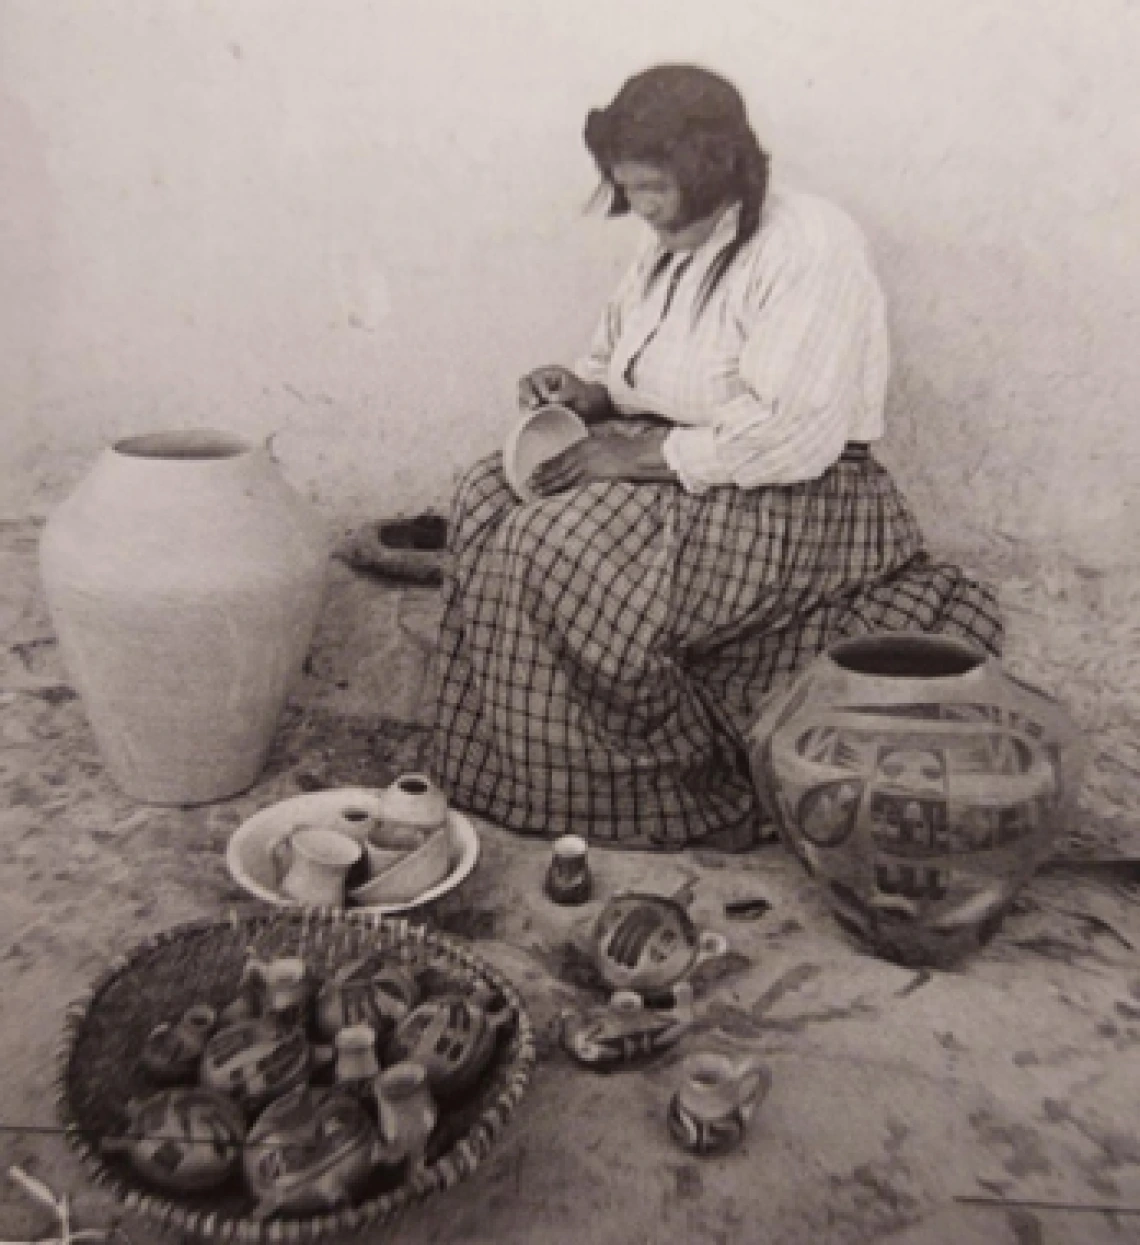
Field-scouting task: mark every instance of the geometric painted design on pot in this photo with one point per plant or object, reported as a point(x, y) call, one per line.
point(919, 785)
point(827, 813)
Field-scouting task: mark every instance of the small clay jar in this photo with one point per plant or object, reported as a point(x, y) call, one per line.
point(171, 1052)
point(310, 1150)
point(409, 812)
point(182, 1139)
point(356, 1064)
point(407, 1113)
point(568, 878)
point(288, 991)
point(709, 1112)
point(256, 1061)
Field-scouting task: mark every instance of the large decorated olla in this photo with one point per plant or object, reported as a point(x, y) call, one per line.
point(920, 783)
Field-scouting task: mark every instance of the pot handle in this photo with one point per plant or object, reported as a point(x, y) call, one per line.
point(710, 946)
point(755, 1080)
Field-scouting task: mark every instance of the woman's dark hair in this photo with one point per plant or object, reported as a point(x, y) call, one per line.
point(694, 124)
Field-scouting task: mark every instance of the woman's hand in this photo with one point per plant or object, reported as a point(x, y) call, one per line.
point(604, 457)
point(554, 383)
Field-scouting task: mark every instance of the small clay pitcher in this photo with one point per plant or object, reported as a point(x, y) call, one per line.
point(317, 862)
point(171, 1052)
point(407, 1113)
point(182, 1139)
point(709, 1112)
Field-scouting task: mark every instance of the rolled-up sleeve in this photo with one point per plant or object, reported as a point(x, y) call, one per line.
point(815, 351)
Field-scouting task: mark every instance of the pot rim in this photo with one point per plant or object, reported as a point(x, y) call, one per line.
point(927, 656)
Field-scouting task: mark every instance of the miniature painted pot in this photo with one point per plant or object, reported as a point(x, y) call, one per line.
point(648, 943)
point(625, 1031)
point(172, 1052)
point(255, 1061)
point(182, 1139)
point(568, 878)
point(452, 1036)
point(365, 993)
point(709, 1112)
point(356, 1054)
point(409, 811)
point(920, 783)
point(406, 1111)
point(316, 863)
point(309, 1150)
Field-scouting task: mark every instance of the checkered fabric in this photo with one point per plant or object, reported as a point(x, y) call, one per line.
point(604, 651)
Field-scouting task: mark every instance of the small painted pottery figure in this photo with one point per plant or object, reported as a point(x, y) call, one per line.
point(409, 811)
point(255, 1061)
point(407, 1113)
point(171, 1052)
point(251, 999)
point(182, 1139)
point(452, 1036)
point(568, 879)
point(626, 1031)
point(366, 992)
point(648, 943)
point(710, 1111)
point(309, 1150)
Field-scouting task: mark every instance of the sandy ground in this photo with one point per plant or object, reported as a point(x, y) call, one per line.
point(896, 1093)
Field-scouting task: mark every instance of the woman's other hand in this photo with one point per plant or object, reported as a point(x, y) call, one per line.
point(556, 384)
point(604, 457)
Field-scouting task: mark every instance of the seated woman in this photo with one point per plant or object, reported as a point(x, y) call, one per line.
point(605, 648)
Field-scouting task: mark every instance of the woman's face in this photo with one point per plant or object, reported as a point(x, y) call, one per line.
point(655, 195)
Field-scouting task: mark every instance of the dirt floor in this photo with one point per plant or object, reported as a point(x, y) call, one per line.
point(920, 1108)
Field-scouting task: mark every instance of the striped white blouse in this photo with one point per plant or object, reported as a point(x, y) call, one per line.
point(782, 366)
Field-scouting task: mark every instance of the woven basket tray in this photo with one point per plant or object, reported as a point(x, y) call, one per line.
point(201, 962)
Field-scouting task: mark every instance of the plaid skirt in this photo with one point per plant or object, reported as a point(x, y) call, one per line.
point(603, 652)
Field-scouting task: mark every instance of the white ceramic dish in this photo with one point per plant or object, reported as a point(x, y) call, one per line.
point(535, 437)
point(250, 852)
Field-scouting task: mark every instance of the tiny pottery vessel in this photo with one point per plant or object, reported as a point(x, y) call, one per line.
point(255, 1061)
point(407, 1113)
point(452, 1036)
point(568, 879)
point(710, 1111)
point(315, 864)
point(626, 1031)
point(365, 993)
point(288, 990)
point(171, 1052)
point(310, 1150)
point(182, 1139)
point(648, 943)
point(409, 811)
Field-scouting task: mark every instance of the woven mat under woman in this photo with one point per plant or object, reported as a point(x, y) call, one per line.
point(604, 651)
